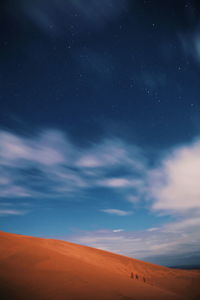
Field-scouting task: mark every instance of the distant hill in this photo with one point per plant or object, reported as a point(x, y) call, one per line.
point(36, 268)
point(186, 267)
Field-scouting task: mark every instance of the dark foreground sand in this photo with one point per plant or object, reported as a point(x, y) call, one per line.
point(35, 268)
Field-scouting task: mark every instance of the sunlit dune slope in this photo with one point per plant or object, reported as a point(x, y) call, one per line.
point(35, 268)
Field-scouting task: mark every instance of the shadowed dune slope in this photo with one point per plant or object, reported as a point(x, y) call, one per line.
point(36, 268)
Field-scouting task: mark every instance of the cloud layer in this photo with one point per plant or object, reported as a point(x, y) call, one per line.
point(169, 243)
point(49, 166)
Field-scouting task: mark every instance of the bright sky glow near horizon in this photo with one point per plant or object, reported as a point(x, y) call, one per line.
point(100, 124)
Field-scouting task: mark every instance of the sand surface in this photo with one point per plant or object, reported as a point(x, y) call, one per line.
point(36, 268)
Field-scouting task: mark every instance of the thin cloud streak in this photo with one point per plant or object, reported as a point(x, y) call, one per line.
point(118, 212)
point(12, 212)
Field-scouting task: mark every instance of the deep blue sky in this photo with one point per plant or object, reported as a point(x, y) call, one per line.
point(99, 124)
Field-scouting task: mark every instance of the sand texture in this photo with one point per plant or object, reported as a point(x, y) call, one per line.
point(36, 268)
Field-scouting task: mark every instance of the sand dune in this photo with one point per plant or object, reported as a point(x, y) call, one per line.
point(35, 268)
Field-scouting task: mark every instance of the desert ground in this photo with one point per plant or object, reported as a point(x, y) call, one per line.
point(37, 268)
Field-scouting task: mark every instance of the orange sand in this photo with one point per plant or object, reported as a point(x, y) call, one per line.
point(35, 268)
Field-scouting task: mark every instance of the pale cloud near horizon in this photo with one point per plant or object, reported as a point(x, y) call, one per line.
point(152, 229)
point(174, 239)
point(118, 230)
point(118, 212)
point(8, 209)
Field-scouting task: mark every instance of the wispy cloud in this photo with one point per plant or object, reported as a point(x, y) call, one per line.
point(37, 165)
point(115, 182)
point(133, 199)
point(118, 230)
point(188, 32)
point(49, 165)
point(112, 152)
point(48, 148)
point(108, 152)
point(118, 212)
point(12, 212)
point(52, 17)
point(191, 44)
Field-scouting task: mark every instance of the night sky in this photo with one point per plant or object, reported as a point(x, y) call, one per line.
point(100, 124)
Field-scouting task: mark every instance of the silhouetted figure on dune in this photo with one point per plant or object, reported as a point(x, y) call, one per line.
point(137, 277)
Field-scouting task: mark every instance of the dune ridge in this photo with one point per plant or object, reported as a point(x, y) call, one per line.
point(37, 268)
